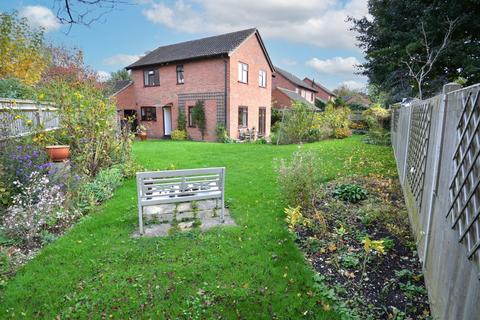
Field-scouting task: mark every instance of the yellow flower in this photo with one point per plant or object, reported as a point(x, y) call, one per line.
point(41, 96)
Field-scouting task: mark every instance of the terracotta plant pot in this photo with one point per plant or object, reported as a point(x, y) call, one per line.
point(58, 153)
point(143, 136)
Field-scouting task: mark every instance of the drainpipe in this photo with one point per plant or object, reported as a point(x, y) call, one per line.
point(225, 93)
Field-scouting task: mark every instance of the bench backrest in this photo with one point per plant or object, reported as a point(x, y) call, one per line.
point(179, 183)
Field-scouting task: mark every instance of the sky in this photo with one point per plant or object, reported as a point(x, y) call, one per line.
point(309, 38)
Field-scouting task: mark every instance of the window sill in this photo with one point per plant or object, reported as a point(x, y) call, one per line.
point(242, 82)
point(178, 84)
point(156, 85)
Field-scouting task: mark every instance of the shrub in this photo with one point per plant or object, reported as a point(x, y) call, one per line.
point(179, 135)
point(199, 117)
point(299, 180)
point(38, 204)
point(100, 188)
point(376, 119)
point(221, 133)
point(89, 126)
point(296, 124)
point(341, 133)
point(350, 192)
point(181, 120)
point(14, 89)
point(334, 122)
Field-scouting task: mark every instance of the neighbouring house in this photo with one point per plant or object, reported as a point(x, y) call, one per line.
point(323, 94)
point(230, 72)
point(287, 88)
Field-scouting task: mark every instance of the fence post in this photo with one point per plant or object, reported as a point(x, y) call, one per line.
point(449, 87)
point(404, 174)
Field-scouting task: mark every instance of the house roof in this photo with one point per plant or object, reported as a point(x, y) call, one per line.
point(209, 47)
point(118, 86)
point(357, 99)
point(294, 79)
point(316, 84)
point(294, 96)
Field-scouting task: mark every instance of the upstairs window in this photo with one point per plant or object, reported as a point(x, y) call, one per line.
point(180, 77)
point(243, 72)
point(262, 78)
point(151, 78)
point(148, 113)
point(242, 117)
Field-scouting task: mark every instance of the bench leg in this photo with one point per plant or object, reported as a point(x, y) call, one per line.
point(223, 208)
point(140, 219)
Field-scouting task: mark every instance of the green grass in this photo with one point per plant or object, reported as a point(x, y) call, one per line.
point(252, 271)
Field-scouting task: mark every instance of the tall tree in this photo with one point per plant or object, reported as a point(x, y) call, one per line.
point(397, 32)
point(21, 50)
point(119, 75)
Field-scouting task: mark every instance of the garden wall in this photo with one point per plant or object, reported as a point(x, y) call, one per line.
point(436, 144)
point(23, 117)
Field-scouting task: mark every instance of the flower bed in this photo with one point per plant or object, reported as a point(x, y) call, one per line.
point(363, 249)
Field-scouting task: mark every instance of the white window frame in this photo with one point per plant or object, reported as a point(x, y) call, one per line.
point(242, 72)
point(262, 78)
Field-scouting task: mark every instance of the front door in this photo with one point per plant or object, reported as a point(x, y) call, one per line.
point(167, 121)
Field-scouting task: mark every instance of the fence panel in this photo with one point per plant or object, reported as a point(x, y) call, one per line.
point(23, 117)
point(437, 146)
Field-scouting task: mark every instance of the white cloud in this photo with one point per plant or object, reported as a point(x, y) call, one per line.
point(40, 17)
point(355, 85)
point(337, 65)
point(121, 60)
point(103, 76)
point(321, 23)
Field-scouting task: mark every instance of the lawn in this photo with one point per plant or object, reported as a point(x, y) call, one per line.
point(251, 271)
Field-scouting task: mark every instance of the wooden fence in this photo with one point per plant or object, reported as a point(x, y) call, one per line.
point(437, 146)
point(23, 117)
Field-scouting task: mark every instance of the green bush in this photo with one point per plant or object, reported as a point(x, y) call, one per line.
point(100, 188)
point(221, 133)
point(296, 124)
point(350, 192)
point(179, 135)
point(181, 120)
point(199, 117)
point(334, 122)
point(377, 120)
point(14, 89)
point(299, 180)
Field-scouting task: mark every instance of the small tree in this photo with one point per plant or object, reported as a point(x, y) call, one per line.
point(199, 116)
point(181, 120)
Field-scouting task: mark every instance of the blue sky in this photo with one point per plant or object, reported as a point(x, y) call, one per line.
point(308, 37)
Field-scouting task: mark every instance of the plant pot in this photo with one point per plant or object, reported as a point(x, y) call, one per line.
point(143, 136)
point(58, 153)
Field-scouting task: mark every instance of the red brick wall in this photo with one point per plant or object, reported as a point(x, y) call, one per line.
point(282, 82)
point(200, 76)
point(210, 108)
point(125, 99)
point(322, 94)
point(250, 95)
point(280, 100)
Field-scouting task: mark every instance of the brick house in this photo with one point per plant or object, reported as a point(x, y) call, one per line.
point(229, 72)
point(288, 88)
point(323, 94)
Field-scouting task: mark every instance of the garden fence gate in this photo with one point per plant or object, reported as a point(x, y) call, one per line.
point(436, 143)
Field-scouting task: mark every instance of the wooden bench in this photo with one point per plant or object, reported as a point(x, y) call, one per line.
point(173, 186)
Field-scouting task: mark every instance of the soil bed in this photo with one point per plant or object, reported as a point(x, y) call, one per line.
point(365, 252)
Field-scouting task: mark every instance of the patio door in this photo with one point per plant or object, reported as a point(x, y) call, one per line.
point(262, 117)
point(167, 121)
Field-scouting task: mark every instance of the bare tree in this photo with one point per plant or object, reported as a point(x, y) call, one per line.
point(85, 12)
point(420, 65)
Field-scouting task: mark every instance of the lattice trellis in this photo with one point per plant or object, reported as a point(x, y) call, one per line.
point(464, 207)
point(418, 149)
